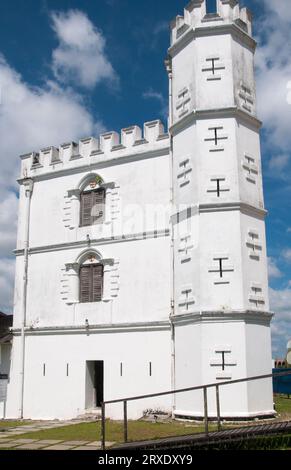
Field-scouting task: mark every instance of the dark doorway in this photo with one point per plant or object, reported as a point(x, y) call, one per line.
point(99, 382)
point(94, 384)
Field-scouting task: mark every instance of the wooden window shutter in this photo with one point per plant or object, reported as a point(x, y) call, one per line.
point(97, 282)
point(86, 207)
point(98, 206)
point(85, 284)
point(91, 283)
point(92, 207)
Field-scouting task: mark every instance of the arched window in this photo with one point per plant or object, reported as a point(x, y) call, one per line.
point(91, 281)
point(92, 207)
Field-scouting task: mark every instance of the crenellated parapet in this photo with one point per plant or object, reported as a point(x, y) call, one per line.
point(196, 16)
point(110, 145)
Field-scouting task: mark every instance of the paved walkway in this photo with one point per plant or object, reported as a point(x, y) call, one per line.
point(37, 426)
point(8, 441)
point(50, 444)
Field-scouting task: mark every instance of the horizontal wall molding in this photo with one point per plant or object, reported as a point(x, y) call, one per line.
point(219, 207)
point(96, 329)
point(246, 316)
point(96, 242)
point(192, 33)
point(222, 113)
point(234, 206)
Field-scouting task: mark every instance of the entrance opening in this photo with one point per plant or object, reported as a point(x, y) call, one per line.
point(99, 377)
point(94, 384)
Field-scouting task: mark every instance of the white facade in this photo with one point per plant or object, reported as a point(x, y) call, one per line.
point(185, 288)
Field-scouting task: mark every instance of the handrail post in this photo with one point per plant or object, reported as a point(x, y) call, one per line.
point(184, 390)
point(125, 420)
point(218, 408)
point(103, 424)
point(205, 409)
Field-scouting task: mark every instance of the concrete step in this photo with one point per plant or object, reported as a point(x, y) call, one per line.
point(91, 415)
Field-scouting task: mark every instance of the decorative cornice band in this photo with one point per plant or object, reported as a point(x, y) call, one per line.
point(234, 206)
point(160, 152)
point(95, 329)
point(223, 113)
point(102, 241)
point(220, 207)
point(233, 29)
point(248, 316)
point(182, 42)
point(217, 30)
point(230, 112)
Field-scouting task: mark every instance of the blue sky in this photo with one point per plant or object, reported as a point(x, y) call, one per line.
point(46, 99)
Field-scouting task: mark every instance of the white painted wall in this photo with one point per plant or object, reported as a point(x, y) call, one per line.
point(196, 345)
point(53, 299)
point(55, 213)
point(133, 243)
point(62, 397)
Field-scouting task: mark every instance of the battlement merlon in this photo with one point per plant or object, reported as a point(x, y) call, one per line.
point(91, 150)
point(196, 16)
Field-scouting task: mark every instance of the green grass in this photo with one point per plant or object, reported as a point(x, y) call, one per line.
point(137, 431)
point(283, 405)
point(13, 424)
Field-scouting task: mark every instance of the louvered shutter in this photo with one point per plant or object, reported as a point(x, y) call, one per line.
point(92, 207)
point(86, 207)
point(85, 284)
point(91, 283)
point(97, 282)
point(98, 206)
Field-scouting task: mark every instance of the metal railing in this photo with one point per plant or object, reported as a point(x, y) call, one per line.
point(201, 387)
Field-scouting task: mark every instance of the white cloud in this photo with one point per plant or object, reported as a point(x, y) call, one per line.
point(155, 95)
point(30, 118)
point(274, 271)
point(280, 301)
point(286, 254)
point(281, 8)
point(281, 334)
point(274, 105)
point(289, 92)
point(8, 223)
point(278, 163)
point(80, 57)
point(274, 72)
point(6, 284)
point(34, 117)
point(161, 27)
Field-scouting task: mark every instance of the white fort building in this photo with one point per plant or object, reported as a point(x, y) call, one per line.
point(141, 262)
